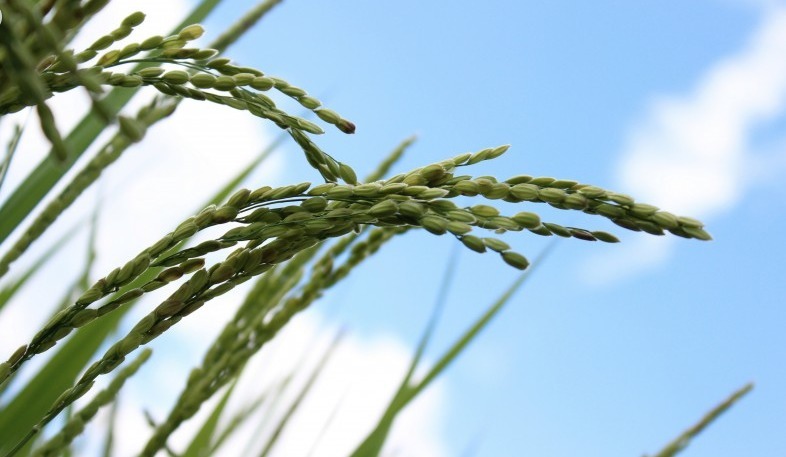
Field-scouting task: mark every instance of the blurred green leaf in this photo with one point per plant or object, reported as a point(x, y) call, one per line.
point(48, 172)
point(236, 421)
point(111, 427)
point(293, 407)
point(372, 445)
point(681, 442)
point(203, 438)
point(233, 184)
point(30, 404)
point(9, 290)
point(10, 151)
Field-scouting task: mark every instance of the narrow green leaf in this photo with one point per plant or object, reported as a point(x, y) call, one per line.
point(322, 431)
point(376, 439)
point(232, 184)
point(384, 167)
point(10, 151)
point(276, 395)
point(293, 407)
point(239, 28)
point(476, 328)
point(201, 443)
point(9, 290)
point(111, 427)
point(236, 421)
point(372, 445)
point(682, 441)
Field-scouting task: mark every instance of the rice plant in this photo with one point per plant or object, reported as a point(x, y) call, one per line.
point(290, 243)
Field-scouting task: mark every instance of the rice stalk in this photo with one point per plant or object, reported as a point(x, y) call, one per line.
point(420, 198)
point(133, 130)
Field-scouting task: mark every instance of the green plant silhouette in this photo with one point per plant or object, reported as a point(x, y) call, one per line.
point(290, 243)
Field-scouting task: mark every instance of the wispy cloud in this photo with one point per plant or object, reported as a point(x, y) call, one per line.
point(692, 154)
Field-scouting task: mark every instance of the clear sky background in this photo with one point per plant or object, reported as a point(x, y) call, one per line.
point(609, 350)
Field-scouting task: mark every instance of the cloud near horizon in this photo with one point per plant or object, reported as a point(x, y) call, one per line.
point(693, 154)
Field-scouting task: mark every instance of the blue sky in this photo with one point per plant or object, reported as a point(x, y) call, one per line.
point(609, 349)
point(609, 362)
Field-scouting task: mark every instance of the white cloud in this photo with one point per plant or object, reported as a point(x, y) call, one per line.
point(351, 393)
point(348, 397)
point(693, 154)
